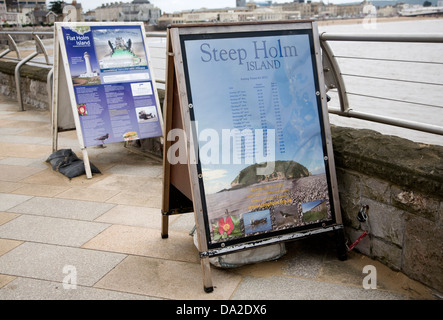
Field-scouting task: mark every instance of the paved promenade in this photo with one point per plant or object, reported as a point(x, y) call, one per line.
point(104, 233)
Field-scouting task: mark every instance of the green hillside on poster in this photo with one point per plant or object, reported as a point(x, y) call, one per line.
point(282, 170)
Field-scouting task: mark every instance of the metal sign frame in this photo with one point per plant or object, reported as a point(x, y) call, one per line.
point(180, 113)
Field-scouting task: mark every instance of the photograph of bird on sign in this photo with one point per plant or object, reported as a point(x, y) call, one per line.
point(103, 139)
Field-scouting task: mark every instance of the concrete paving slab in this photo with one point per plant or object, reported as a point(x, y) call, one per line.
point(83, 182)
point(34, 289)
point(350, 272)
point(124, 183)
point(47, 262)
point(7, 216)
point(39, 190)
point(48, 177)
point(43, 131)
point(4, 280)
point(167, 279)
point(8, 201)
point(182, 222)
point(145, 171)
point(50, 230)
point(291, 288)
point(306, 258)
point(15, 161)
point(11, 131)
point(3, 113)
point(7, 186)
point(9, 106)
point(15, 173)
point(144, 199)
point(133, 216)
point(145, 242)
point(7, 245)
point(24, 150)
point(32, 115)
point(12, 122)
point(26, 140)
point(62, 208)
point(89, 194)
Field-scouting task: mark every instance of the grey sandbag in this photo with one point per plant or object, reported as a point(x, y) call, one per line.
point(250, 256)
point(67, 163)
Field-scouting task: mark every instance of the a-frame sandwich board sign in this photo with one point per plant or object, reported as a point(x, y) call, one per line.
point(103, 84)
point(248, 146)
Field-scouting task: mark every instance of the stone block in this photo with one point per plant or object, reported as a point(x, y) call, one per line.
point(375, 189)
point(423, 252)
point(415, 202)
point(397, 160)
point(349, 208)
point(348, 182)
point(386, 222)
point(440, 213)
point(387, 253)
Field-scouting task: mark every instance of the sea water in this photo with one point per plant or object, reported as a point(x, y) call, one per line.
point(420, 82)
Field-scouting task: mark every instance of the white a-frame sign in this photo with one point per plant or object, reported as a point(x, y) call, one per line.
point(104, 86)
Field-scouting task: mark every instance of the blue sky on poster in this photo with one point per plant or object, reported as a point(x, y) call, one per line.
point(300, 124)
point(179, 5)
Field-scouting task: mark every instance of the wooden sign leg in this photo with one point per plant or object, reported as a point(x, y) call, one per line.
point(87, 164)
point(55, 88)
point(165, 225)
point(54, 121)
point(207, 276)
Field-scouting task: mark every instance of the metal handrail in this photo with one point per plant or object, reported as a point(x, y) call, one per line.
point(39, 49)
point(382, 59)
point(13, 45)
point(334, 77)
point(393, 37)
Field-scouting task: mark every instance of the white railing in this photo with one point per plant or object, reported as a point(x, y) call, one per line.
point(389, 76)
point(417, 88)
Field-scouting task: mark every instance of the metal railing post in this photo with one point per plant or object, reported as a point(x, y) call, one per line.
point(17, 79)
point(39, 49)
point(12, 48)
point(333, 74)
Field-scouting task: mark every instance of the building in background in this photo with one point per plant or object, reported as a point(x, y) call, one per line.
point(250, 12)
point(22, 12)
point(74, 10)
point(17, 12)
point(137, 10)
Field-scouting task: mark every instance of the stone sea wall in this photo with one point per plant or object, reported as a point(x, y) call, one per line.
point(33, 83)
point(402, 184)
point(400, 181)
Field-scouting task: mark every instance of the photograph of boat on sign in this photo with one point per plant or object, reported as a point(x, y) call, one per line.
point(119, 48)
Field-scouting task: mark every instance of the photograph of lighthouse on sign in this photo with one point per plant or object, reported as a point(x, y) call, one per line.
point(81, 56)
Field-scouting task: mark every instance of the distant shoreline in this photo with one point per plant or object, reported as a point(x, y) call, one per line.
point(331, 22)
